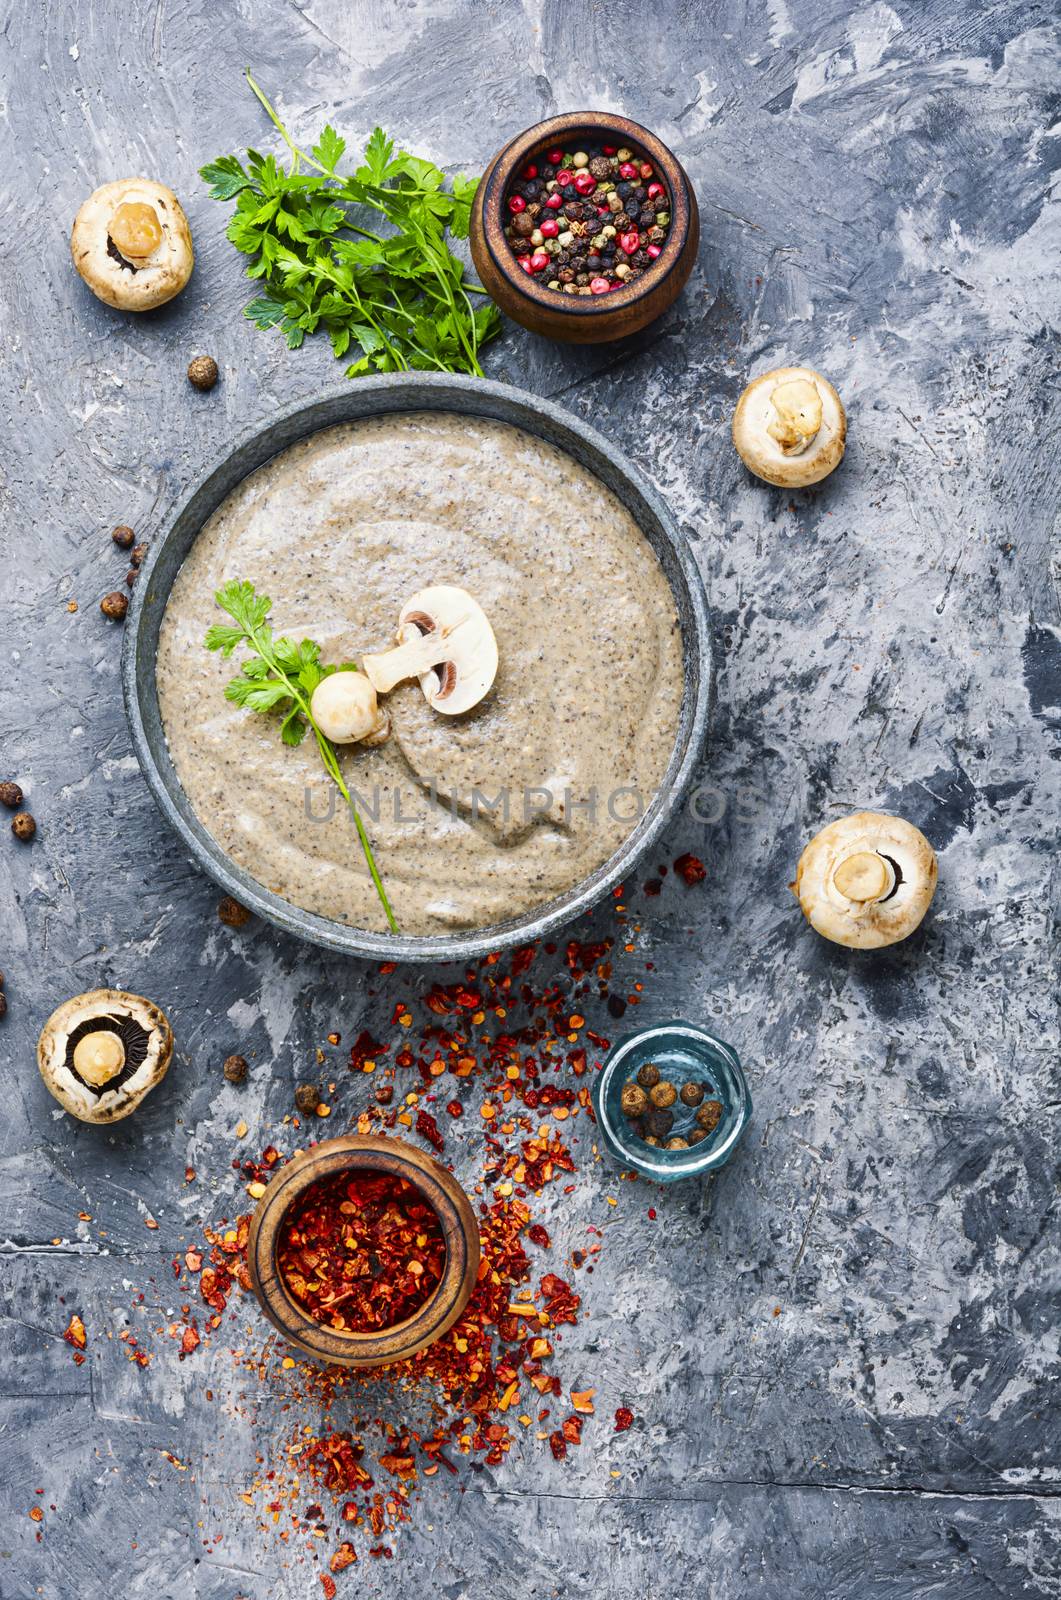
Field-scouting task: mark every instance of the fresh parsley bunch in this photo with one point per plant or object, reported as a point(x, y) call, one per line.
point(278, 679)
point(397, 296)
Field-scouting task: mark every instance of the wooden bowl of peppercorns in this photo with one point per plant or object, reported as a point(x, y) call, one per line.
point(585, 227)
point(359, 1174)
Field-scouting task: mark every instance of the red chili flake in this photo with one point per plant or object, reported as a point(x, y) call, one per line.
point(190, 1342)
point(571, 1427)
point(344, 1557)
point(558, 1445)
point(624, 1418)
point(361, 1250)
point(328, 1585)
point(653, 886)
point(36, 1514)
point(690, 869)
point(455, 1109)
point(522, 958)
point(365, 1048)
point(193, 1260)
point(428, 1129)
point(538, 1235)
point(75, 1333)
point(651, 1213)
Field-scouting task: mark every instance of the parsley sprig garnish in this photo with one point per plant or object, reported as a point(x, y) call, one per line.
point(278, 679)
point(398, 296)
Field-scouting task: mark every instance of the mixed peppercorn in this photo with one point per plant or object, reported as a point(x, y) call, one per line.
point(648, 1103)
point(587, 220)
point(361, 1251)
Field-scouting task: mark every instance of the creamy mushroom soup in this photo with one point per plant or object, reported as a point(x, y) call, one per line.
point(474, 818)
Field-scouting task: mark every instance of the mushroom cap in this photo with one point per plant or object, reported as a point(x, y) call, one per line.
point(760, 450)
point(345, 707)
point(866, 880)
point(147, 280)
point(147, 1042)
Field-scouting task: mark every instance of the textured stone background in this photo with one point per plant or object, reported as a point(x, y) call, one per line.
point(875, 187)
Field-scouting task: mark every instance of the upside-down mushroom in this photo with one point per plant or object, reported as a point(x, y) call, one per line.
point(346, 710)
point(132, 245)
point(101, 1052)
point(789, 427)
point(866, 880)
point(445, 640)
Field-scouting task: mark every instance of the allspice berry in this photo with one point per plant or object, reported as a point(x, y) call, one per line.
point(676, 1144)
point(202, 372)
point(659, 1123)
point(633, 1100)
point(307, 1098)
point(648, 1075)
point(231, 913)
point(235, 1069)
point(139, 552)
point(115, 605)
point(11, 795)
point(709, 1115)
point(663, 1094)
point(691, 1093)
point(23, 826)
point(123, 536)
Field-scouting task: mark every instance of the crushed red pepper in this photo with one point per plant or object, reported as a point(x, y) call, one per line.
point(361, 1250)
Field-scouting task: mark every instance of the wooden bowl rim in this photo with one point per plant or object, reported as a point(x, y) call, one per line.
point(515, 154)
point(439, 1188)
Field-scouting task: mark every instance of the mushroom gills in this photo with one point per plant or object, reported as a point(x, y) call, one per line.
point(132, 1038)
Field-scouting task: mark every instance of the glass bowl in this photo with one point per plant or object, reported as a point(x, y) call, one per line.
point(683, 1053)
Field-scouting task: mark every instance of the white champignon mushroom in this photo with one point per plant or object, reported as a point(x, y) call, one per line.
point(345, 709)
point(100, 1053)
point(132, 245)
point(445, 640)
point(789, 427)
point(866, 880)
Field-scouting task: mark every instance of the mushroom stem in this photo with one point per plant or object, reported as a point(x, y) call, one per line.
point(864, 876)
point(419, 653)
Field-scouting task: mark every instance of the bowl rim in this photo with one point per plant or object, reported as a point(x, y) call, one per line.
point(372, 397)
point(432, 1318)
point(678, 1164)
point(515, 154)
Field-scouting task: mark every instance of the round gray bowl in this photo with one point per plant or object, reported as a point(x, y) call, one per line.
point(371, 397)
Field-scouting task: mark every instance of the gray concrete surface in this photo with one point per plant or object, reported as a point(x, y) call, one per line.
point(875, 188)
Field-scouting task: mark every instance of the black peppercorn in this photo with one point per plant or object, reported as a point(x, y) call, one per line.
point(123, 536)
point(114, 605)
point(231, 913)
point(307, 1098)
point(691, 1093)
point(663, 1094)
point(601, 167)
point(648, 1075)
point(23, 826)
point(659, 1122)
point(235, 1069)
point(11, 795)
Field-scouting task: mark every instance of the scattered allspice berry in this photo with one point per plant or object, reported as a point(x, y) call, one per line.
point(307, 1098)
point(202, 372)
point(663, 1094)
point(11, 795)
point(709, 1115)
point(115, 605)
point(139, 552)
point(633, 1100)
point(23, 826)
point(232, 914)
point(648, 1075)
point(691, 1093)
point(235, 1069)
point(123, 536)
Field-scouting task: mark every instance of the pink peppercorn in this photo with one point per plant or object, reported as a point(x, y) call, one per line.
point(609, 149)
point(530, 170)
point(539, 261)
point(555, 201)
point(655, 190)
point(653, 251)
point(599, 285)
point(628, 170)
point(604, 211)
point(563, 177)
point(646, 169)
point(630, 241)
point(550, 228)
point(555, 157)
point(525, 262)
point(585, 182)
point(516, 204)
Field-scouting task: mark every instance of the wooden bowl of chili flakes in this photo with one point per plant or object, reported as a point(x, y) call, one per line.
point(363, 1251)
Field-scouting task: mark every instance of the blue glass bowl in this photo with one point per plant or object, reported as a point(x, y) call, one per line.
point(682, 1052)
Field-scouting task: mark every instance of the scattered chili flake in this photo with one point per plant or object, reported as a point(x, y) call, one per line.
point(690, 869)
point(361, 1250)
point(428, 1129)
point(455, 1109)
point(365, 1048)
point(558, 1445)
point(624, 1418)
point(582, 1400)
point(651, 1213)
point(537, 1234)
point(36, 1514)
point(328, 1585)
point(344, 1557)
point(190, 1342)
point(75, 1333)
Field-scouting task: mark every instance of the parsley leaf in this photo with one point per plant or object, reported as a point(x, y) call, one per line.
point(362, 258)
point(278, 678)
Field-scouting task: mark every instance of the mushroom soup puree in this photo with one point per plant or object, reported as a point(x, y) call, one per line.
point(475, 818)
